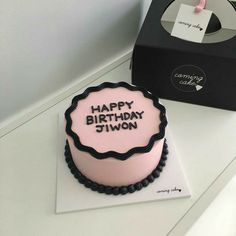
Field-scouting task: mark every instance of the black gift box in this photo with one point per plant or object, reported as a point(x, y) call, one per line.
point(171, 68)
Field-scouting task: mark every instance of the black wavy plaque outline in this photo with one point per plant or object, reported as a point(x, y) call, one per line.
point(114, 154)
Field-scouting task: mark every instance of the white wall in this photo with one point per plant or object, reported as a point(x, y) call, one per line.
point(47, 44)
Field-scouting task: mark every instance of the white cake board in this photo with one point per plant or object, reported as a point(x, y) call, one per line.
point(73, 196)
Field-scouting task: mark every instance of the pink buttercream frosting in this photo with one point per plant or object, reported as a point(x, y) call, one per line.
point(146, 118)
point(116, 119)
point(113, 172)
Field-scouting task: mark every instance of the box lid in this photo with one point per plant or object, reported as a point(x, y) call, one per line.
point(154, 35)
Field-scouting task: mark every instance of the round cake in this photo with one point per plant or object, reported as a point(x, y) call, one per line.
point(115, 138)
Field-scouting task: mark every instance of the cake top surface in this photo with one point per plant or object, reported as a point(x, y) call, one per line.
point(115, 120)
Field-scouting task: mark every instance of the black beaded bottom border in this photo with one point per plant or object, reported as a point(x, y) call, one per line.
point(116, 190)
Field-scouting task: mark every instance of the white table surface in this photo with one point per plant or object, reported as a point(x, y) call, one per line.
point(205, 139)
point(214, 222)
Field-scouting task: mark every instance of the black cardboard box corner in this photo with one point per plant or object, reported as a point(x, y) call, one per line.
point(171, 68)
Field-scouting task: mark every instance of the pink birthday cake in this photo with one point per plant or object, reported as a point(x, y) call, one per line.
point(115, 138)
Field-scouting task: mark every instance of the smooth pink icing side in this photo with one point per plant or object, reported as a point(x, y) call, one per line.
point(123, 140)
point(115, 172)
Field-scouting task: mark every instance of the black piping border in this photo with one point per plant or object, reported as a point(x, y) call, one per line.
point(115, 190)
point(117, 155)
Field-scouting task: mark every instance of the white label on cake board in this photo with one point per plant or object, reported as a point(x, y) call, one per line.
point(73, 196)
point(190, 25)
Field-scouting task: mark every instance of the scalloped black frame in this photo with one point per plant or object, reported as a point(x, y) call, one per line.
point(108, 154)
point(109, 190)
